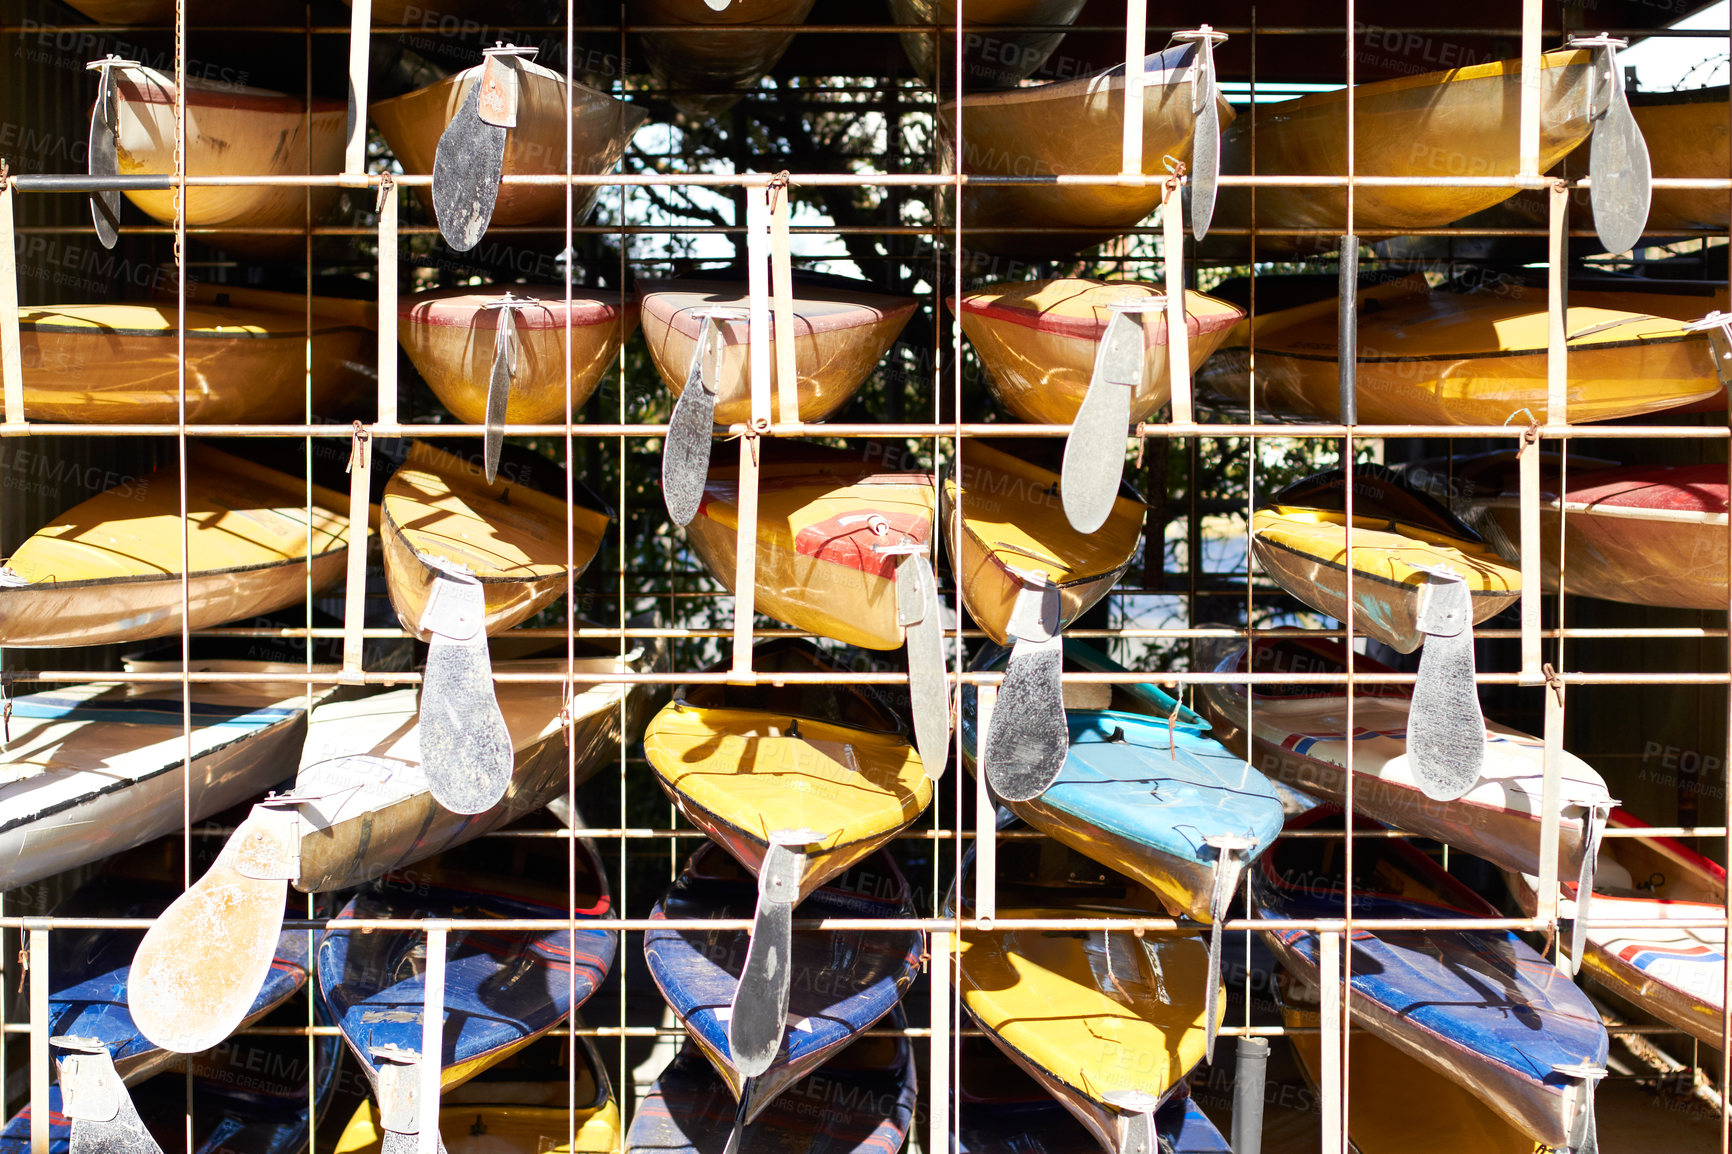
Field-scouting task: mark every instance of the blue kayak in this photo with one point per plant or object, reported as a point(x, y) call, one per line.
point(860, 1102)
point(1479, 1006)
point(841, 981)
point(503, 988)
point(88, 971)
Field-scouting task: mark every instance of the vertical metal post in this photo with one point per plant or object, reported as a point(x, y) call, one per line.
point(1532, 29)
point(758, 352)
point(1249, 1079)
point(432, 1035)
point(36, 930)
point(11, 348)
point(360, 42)
point(387, 301)
point(1178, 330)
point(1347, 336)
point(1330, 1029)
point(1550, 805)
point(1136, 35)
point(938, 1107)
point(985, 813)
point(355, 586)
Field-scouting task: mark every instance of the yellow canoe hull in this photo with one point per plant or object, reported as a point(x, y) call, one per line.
point(1462, 122)
point(1305, 551)
point(840, 335)
point(816, 566)
point(109, 570)
point(1009, 518)
point(600, 129)
point(512, 537)
point(1038, 341)
point(230, 131)
point(739, 774)
point(1687, 137)
point(450, 339)
point(1474, 359)
point(118, 363)
point(1070, 126)
point(489, 1129)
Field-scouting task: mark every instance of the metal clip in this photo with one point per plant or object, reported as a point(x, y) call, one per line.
point(387, 188)
point(94, 1099)
point(499, 83)
point(357, 447)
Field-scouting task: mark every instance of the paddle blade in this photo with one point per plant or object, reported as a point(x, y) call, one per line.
point(1136, 1125)
point(104, 1120)
point(917, 611)
point(1620, 176)
point(467, 166)
point(686, 453)
point(1206, 139)
point(1027, 741)
point(760, 1010)
point(499, 391)
point(1094, 453)
point(1445, 728)
point(200, 968)
point(104, 160)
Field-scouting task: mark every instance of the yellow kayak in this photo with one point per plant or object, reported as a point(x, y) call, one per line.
point(509, 533)
point(1108, 1023)
point(1301, 541)
point(1009, 523)
point(1038, 340)
point(741, 762)
point(109, 569)
point(1436, 358)
point(245, 364)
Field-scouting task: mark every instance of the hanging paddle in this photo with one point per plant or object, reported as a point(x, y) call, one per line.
point(465, 746)
point(759, 1016)
point(1584, 1129)
point(95, 1101)
point(1094, 453)
point(399, 1095)
point(686, 452)
point(1028, 738)
point(928, 690)
point(1206, 135)
point(1232, 853)
point(1619, 174)
point(1137, 1123)
point(103, 151)
point(1594, 821)
point(1445, 728)
point(470, 158)
point(505, 349)
point(186, 996)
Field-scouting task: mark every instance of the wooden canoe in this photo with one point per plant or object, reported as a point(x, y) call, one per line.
point(990, 58)
point(1477, 1006)
point(109, 569)
point(1069, 126)
point(1648, 534)
point(841, 982)
point(600, 128)
point(1298, 737)
point(510, 533)
point(451, 336)
point(1005, 520)
point(1038, 340)
point(707, 71)
point(504, 988)
point(1300, 539)
point(1461, 122)
point(206, 12)
point(245, 364)
point(362, 807)
point(1441, 358)
point(820, 512)
point(742, 761)
point(1145, 789)
point(231, 131)
point(841, 331)
point(518, 1106)
point(91, 770)
point(860, 1102)
point(1108, 1026)
point(1004, 1111)
point(1674, 973)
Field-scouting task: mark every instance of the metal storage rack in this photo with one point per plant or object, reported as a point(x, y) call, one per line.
point(924, 400)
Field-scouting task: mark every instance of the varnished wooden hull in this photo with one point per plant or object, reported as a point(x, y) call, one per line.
point(600, 129)
point(1305, 551)
point(230, 132)
point(693, 59)
point(1647, 536)
point(1009, 519)
point(1071, 126)
point(990, 58)
point(511, 537)
point(1463, 122)
point(816, 567)
point(1686, 135)
point(160, 13)
point(1038, 341)
point(1473, 358)
point(118, 363)
point(450, 337)
point(109, 570)
point(840, 336)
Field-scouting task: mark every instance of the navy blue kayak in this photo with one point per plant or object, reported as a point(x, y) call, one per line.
point(249, 1097)
point(503, 988)
point(88, 971)
point(1479, 1006)
point(841, 981)
point(860, 1102)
